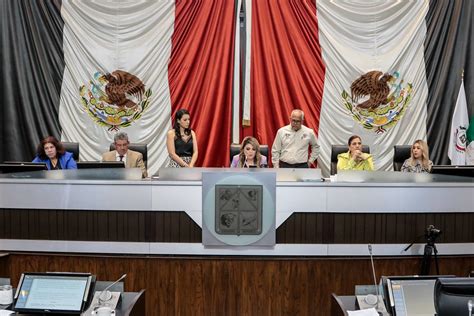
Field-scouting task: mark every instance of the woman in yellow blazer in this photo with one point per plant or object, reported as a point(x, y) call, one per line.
point(355, 159)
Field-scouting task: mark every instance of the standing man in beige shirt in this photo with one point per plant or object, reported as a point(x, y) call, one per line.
point(290, 148)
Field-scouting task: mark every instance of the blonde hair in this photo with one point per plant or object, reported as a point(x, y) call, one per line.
point(258, 157)
point(425, 157)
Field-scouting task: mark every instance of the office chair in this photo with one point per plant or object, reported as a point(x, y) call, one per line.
point(140, 147)
point(72, 148)
point(235, 150)
point(400, 154)
point(339, 149)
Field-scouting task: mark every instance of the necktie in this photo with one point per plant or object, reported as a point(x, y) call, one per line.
point(121, 158)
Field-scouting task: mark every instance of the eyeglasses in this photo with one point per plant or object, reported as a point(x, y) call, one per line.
point(296, 121)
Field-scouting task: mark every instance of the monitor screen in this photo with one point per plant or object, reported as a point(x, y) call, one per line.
point(100, 164)
point(413, 297)
point(463, 171)
point(66, 293)
point(410, 295)
point(18, 166)
point(452, 296)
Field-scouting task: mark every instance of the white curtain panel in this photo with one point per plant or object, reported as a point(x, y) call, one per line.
point(104, 36)
point(360, 36)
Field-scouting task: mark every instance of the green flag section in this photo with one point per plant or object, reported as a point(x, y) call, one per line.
point(470, 142)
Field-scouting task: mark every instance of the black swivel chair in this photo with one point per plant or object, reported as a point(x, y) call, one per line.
point(400, 154)
point(339, 149)
point(72, 148)
point(235, 150)
point(140, 147)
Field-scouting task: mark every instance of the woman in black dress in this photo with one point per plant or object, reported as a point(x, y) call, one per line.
point(181, 142)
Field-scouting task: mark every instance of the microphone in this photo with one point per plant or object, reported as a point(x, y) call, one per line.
point(246, 164)
point(369, 246)
point(469, 307)
point(105, 295)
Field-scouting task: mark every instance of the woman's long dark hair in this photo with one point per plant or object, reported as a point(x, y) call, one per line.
point(178, 116)
point(56, 143)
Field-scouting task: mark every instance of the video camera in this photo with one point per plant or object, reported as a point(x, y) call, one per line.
point(431, 233)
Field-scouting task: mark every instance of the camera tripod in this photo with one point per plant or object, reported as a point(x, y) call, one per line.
point(430, 250)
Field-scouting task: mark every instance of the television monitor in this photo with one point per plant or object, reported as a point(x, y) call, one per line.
point(100, 164)
point(452, 296)
point(410, 295)
point(54, 293)
point(18, 166)
point(463, 171)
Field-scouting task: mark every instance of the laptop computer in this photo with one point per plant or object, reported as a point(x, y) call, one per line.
point(410, 295)
point(54, 293)
point(100, 164)
point(21, 166)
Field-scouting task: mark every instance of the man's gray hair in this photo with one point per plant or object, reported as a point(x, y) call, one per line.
point(120, 136)
point(299, 112)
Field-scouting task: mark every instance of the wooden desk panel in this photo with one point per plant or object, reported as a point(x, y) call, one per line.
point(235, 286)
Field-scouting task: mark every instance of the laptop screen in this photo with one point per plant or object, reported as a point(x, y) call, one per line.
point(65, 293)
point(413, 297)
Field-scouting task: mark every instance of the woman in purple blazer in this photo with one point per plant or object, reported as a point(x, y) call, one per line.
point(249, 156)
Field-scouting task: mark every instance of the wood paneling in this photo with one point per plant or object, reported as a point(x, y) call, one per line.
point(363, 228)
point(300, 228)
point(91, 225)
point(234, 286)
point(4, 265)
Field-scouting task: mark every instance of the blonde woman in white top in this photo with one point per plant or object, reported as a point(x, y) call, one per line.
point(419, 161)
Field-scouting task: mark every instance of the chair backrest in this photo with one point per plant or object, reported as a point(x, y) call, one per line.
point(235, 150)
point(140, 147)
point(400, 154)
point(102, 285)
point(339, 149)
point(72, 148)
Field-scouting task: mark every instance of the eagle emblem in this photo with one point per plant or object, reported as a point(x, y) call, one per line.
point(374, 84)
point(378, 100)
point(115, 100)
point(460, 136)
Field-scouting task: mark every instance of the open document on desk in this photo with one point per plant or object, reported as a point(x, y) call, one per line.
point(364, 312)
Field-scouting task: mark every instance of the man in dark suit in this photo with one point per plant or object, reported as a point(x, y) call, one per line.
point(132, 159)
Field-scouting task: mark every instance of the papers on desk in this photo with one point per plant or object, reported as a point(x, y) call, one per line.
point(4, 312)
point(364, 312)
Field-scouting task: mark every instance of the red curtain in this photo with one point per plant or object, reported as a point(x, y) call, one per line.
point(287, 70)
point(200, 74)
